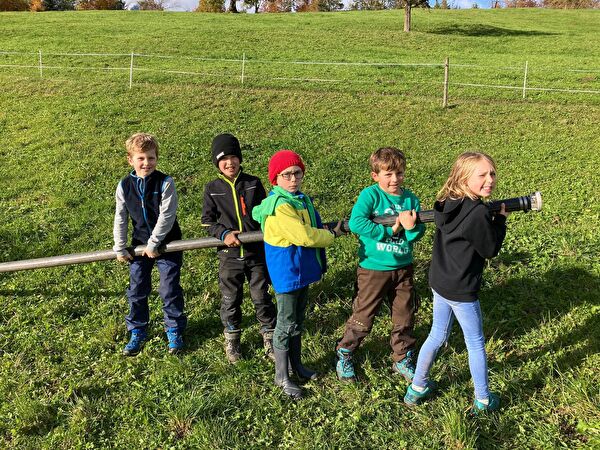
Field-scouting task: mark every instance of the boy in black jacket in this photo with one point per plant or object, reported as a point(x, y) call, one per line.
point(227, 211)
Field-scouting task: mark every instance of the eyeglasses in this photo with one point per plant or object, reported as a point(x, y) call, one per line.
point(287, 176)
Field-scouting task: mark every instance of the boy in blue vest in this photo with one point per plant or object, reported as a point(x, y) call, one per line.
point(149, 198)
point(227, 211)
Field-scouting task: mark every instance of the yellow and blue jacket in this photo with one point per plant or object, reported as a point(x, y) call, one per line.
point(294, 239)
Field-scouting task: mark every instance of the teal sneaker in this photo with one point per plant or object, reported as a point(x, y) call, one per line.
point(406, 367)
point(414, 398)
point(136, 342)
point(175, 340)
point(493, 405)
point(344, 367)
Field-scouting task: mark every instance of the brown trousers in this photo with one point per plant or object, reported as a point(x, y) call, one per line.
point(373, 287)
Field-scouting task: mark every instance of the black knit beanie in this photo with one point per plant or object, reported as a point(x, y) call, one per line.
point(223, 145)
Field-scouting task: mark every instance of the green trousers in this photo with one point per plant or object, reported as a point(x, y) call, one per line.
point(291, 308)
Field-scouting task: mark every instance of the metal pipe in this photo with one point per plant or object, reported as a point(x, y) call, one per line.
point(531, 202)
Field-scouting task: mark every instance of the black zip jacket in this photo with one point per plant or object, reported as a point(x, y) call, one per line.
point(228, 207)
point(467, 233)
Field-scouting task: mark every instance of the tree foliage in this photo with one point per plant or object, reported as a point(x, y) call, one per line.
point(255, 4)
point(367, 5)
point(521, 3)
point(212, 6)
point(152, 5)
point(557, 4)
point(58, 5)
point(571, 4)
point(317, 5)
point(100, 4)
point(14, 5)
point(277, 6)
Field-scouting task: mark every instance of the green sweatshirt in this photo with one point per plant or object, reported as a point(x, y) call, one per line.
point(379, 249)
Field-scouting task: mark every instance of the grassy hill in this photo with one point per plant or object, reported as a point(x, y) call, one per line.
point(63, 382)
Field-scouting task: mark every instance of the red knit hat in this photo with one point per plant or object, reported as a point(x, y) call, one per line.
point(281, 161)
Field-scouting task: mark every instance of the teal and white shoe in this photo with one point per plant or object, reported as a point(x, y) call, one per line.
point(406, 367)
point(344, 367)
point(482, 408)
point(414, 397)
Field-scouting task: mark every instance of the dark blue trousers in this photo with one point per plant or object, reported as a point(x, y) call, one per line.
point(140, 286)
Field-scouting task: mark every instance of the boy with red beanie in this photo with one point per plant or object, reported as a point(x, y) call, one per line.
point(228, 203)
point(294, 241)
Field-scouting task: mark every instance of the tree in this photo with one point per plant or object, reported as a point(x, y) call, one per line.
point(521, 3)
point(318, 5)
point(368, 5)
point(571, 4)
point(58, 5)
point(232, 6)
point(14, 5)
point(36, 6)
point(444, 4)
point(210, 6)
point(276, 6)
point(152, 5)
point(100, 4)
point(408, 5)
point(253, 4)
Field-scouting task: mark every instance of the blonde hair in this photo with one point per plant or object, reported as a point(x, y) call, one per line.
point(141, 142)
point(387, 158)
point(456, 185)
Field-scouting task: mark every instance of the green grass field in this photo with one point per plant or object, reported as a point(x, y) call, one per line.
point(63, 381)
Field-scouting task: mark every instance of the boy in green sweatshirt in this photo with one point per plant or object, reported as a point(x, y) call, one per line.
point(385, 269)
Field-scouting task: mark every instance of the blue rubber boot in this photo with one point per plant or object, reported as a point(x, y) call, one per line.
point(136, 342)
point(344, 366)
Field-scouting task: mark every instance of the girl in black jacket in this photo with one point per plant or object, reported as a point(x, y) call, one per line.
point(467, 233)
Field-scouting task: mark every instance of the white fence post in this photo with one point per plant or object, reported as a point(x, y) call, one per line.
point(40, 62)
point(243, 65)
point(525, 79)
point(131, 71)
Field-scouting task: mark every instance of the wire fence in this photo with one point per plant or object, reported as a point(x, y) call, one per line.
point(429, 78)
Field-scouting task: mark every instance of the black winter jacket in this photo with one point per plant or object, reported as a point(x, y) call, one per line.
point(228, 207)
point(467, 233)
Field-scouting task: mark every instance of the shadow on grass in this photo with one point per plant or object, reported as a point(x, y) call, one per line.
point(478, 29)
point(200, 330)
point(521, 305)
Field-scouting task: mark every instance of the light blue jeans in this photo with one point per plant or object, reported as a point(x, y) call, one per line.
point(469, 318)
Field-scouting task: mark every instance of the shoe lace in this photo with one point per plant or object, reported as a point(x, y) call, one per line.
point(136, 339)
point(174, 337)
point(346, 360)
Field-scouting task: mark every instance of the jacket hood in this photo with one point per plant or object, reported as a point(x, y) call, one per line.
point(449, 214)
point(269, 204)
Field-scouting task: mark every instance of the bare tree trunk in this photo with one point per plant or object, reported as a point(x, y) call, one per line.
point(407, 16)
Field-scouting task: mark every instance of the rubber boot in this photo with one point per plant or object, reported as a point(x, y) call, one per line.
point(282, 379)
point(233, 348)
point(296, 360)
point(268, 344)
